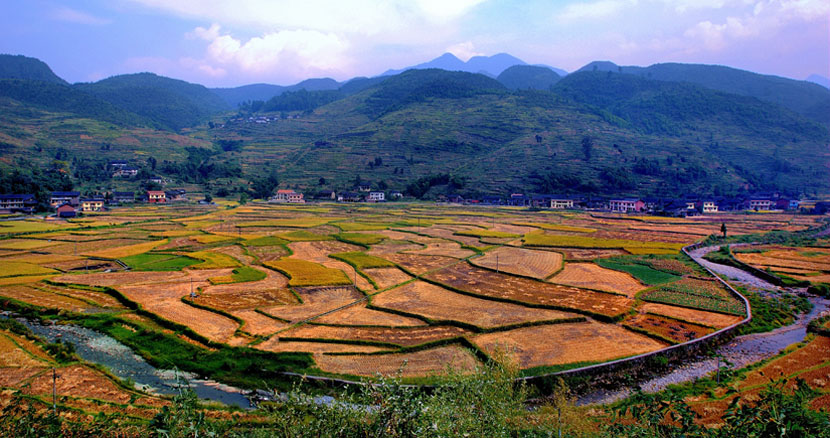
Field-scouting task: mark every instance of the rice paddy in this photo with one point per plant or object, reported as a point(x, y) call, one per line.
point(383, 288)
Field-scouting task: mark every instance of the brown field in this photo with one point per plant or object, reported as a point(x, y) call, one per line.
point(588, 253)
point(712, 319)
point(36, 297)
point(316, 300)
point(268, 253)
point(258, 324)
point(15, 376)
point(100, 298)
point(667, 328)
point(437, 303)
point(405, 336)
point(270, 291)
point(825, 278)
point(28, 345)
point(434, 361)
point(387, 277)
point(446, 232)
point(275, 345)
point(360, 315)
point(79, 381)
point(521, 261)
point(420, 264)
point(42, 259)
point(492, 284)
point(441, 247)
point(591, 276)
point(92, 246)
point(391, 247)
point(559, 344)
point(816, 353)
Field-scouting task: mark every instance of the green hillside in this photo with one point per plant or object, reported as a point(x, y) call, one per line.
point(528, 77)
point(806, 98)
point(172, 103)
point(23, 67)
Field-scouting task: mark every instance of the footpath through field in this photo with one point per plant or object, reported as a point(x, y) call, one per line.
point(739, 352)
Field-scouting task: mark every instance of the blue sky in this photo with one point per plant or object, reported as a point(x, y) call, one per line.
point(230, 43)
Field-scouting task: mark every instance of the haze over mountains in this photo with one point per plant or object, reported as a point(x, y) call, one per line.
point(495, 122)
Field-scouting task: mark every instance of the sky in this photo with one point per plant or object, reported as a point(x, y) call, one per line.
point(237, 42)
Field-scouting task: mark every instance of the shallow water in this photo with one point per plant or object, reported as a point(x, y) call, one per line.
point(102, 349)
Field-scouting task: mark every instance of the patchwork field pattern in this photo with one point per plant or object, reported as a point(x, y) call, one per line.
point(557, 289)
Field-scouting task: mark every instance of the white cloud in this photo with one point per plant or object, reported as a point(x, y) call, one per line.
point(463, 51)
point(594, 10)
point(70, 15)
point(290, 52)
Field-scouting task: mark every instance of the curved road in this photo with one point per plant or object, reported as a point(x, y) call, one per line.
point(739, 352)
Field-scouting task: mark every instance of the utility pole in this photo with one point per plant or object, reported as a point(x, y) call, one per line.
point(54, 391)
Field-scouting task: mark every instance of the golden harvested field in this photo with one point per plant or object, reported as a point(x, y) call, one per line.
point(588, 253)
point(766, 260)
point(441, 247)
point(11, 355)
point(591, 276)
point(711, 319)
point(437, 303)
point(502, 286)
point(25, 244)
point(36, 297)
point(99, 298)
point(41, 259)
point(360, 315)
point(404, 336)
point(521, 261)
point(119, 251)
point(420, 363)
point(258, 324)
point(559, 344)
point(79, 381)
point(13, 269)
point(420, 264)
point(277, 346)
point(305, 273)
point(316, 300)
point(387, 277)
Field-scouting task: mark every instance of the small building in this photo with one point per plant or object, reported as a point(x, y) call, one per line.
point(364, 187)
point(757, 204)
point(326, 195)
point(395, 195)
point(287, 195)
point(155, 180)
point(125, 172)
point(66, 211)
point(492, 200)
point(706, 206)
point(156, 197)
point(453, 198)
point(71, 198)
point(786, 204)
point(376, 197)
point(561, 203)
point(123, 197)
point(118, 164)
point(176, 195)
point(18, 203)
point(518, 200)
point(92, 204)
point(627, 205)
point(348, 197)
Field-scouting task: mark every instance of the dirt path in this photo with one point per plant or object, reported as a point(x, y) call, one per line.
point(739, 352)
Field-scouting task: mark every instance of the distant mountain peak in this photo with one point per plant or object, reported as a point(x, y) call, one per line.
point(819, 79)
point(24, 67)
point(492, 65)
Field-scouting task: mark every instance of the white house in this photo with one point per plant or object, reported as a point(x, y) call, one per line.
point(376, 197)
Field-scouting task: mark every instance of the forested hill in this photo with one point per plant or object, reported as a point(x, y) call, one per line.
point(806, 98)
point(23, 67)
point(173, 103)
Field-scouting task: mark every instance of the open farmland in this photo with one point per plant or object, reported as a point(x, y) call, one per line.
point(364, 290)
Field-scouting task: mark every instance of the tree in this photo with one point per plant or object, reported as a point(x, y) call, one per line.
point(538, 138)
point(723, 229)
point(321, 181)
point(587, 147)
point(152, 162)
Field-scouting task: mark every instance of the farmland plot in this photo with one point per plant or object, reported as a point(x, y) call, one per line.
point(258, 324)
point(358, 314)
point(276, 345)
point(521, 261)
point(37, 297)
point(591, 276)
point(404, 336)
point(437, 303)
point(316, 300)
point(318, 252)
point(485, 283)
point(387, 277)
point(79, 381)
point(560, 344)
point(711, 319)
point(666, 328)
point(420, 264)
point(13, 356)
point(441, 247)
point(588, 254)
point(417, 364)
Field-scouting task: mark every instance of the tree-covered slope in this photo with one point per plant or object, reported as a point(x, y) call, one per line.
point(528, 77)
point(172, 103)
point(23, 67)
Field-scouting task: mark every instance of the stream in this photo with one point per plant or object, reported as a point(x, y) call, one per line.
point(102, 349)
point(739, 352)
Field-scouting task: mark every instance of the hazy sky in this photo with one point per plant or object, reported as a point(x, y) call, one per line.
point(235, 42)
